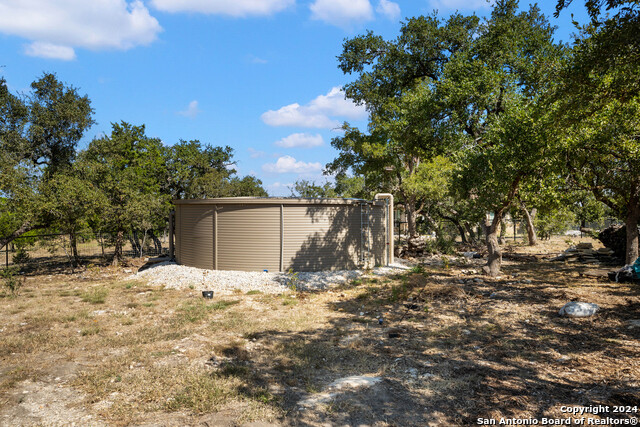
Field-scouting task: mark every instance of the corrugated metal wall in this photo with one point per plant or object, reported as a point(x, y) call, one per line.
point(249, 238)
point(255, 237)
point(321, 237)
point(194, 225)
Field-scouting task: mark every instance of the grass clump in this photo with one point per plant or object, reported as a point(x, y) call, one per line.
point(204, 392)
point(221, 305)
point(91, 330)
point(194, 311)
point(97, 295)
point(288, 300)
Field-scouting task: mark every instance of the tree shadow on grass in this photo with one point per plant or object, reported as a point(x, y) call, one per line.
point(484, 363)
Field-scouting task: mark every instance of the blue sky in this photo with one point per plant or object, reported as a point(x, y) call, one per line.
point(258, 75)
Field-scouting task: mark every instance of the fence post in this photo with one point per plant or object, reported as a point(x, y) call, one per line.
point(6, 255)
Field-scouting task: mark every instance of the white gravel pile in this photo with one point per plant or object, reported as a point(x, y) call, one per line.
point(171, 275)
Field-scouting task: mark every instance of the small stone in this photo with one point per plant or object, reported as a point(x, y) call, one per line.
point(579, 309)
point(527, 281)
point(634, 323)
point(466, 332)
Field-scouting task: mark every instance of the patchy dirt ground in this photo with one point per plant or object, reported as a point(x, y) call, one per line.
point(94, 348)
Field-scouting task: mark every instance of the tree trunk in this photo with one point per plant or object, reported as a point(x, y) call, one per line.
point(135, 242)
point(156, 242)
point(502, 232)
point(470, 232)
point(531, 230)
point(633, 215)
point(117, 255)
point(411, 219)
point(462, 233)
point(458, 225)
point(144, 241)
point(494, 261)
point(73, 242)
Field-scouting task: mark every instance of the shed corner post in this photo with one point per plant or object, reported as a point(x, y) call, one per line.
point(281, 238)
point(388, 197)
point(215, 237)
point(172, 217)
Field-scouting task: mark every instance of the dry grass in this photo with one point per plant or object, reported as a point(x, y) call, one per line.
point(463, 351)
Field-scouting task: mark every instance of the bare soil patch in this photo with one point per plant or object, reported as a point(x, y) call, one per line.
point(97, 348)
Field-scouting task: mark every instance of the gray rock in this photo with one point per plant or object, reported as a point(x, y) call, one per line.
point(579, 309)
point(634, 323)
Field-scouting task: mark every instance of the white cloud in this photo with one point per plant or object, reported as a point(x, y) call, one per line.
point(192, 110)
point(389, 9)
point(254, 154)
point(57, 27)
point(461, 4)
point(256, 60)
point(50, 50)
point(316, 114)
point(279, 184)
point(301, 140)
point(297, 115)
point(237, 8)
point(341, 13)
point(288, 164)
point(279, 189)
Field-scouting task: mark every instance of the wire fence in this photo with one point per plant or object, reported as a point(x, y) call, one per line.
point(89, 247)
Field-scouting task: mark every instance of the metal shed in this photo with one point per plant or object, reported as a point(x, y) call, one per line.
point(279, 234)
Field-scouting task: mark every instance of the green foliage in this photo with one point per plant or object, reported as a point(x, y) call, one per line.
point(247, 186)
point(555, 222)
point(127, 167)
point(21, 257)
point(38, 137)
point(201, 171)
point(309, 189)
point(10, 279)
point(58, 118)
point(293, 281)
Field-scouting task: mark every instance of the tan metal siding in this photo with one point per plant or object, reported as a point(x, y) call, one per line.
point(249, 238)
point(178, 233)
point(378, 250)
point(321, 237)
point(314, 236)
point(196, 236)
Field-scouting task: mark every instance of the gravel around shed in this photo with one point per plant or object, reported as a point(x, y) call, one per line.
point(172, 275)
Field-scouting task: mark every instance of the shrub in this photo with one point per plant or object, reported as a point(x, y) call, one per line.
point(10, 278)
point(21, 257)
